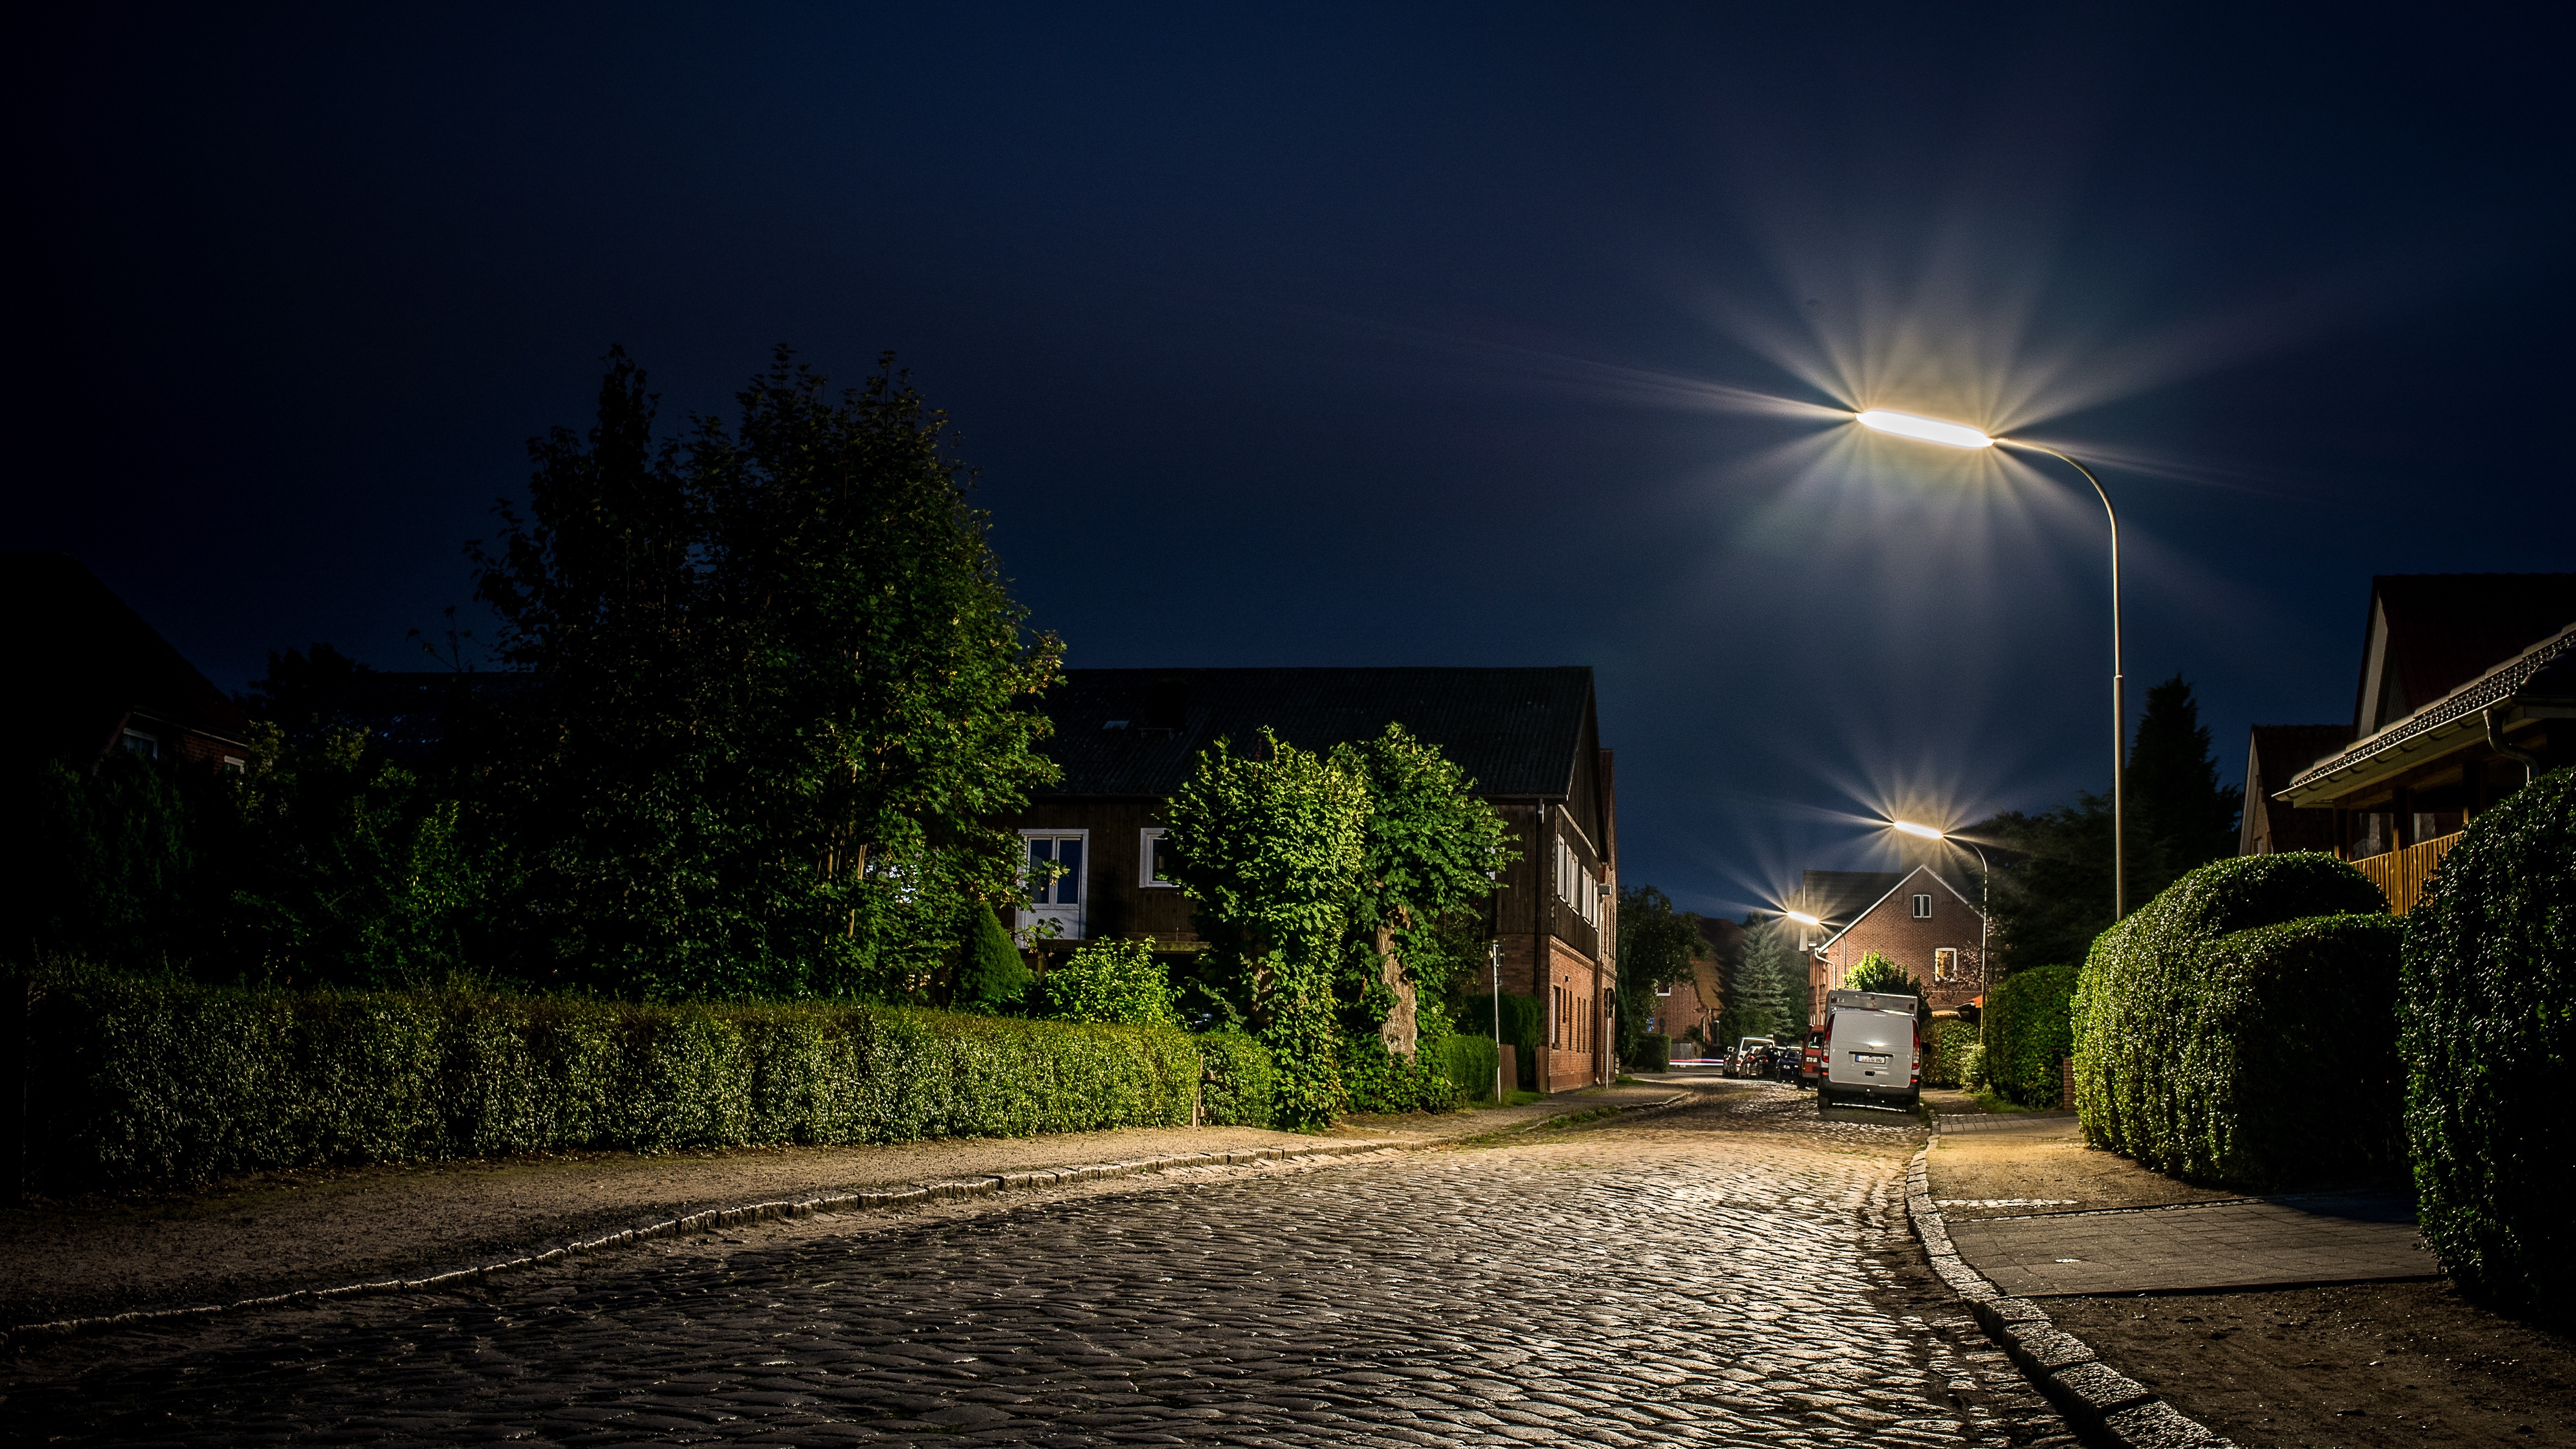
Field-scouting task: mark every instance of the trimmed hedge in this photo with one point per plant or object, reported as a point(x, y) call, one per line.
point(1654, 1053)
point(1468, 1061)
point(1950, 1041)
point(136, 1082)
point(1235, 1090)
point(2240, 1027)
point(2489, 1039)
point(2029, 1029)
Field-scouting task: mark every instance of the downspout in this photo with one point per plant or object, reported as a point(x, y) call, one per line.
point(2495, 740)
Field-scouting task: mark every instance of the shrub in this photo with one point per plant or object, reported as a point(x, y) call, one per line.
point(1111, 981)
point(1470, 1062)
point(2235, 1028)
point(2029, 1030)
point(1654, 1053)
point(1950, 1041)
point(1374, 1080)
point(1235, 1087)
point(136, 1082)
point(994, 973)
point(1972, 1067)
point(2489, 1036)
point(1524, 1021)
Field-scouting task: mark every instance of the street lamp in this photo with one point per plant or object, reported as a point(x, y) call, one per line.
point(1959, 435)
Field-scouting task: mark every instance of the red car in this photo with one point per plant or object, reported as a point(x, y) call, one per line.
point(1812, 1061)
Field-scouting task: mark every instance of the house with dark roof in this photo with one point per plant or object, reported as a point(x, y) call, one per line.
point(2274, 755)
point(1126, 739)
point(1920, 919)
point(2467, 691)
point(89, 676)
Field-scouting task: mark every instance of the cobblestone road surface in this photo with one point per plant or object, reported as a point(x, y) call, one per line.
point(1734, 1271)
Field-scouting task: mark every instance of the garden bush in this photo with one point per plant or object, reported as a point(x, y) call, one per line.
point(1948, 1044)
point(2238, 1028)
point(1235, 1090)
point(2029, 1029)
point(2489, 1038)
point(1524, 1022)
point(135, 1082)
point(1654, 1053)
point(1469, 1061)
point(1111, 981)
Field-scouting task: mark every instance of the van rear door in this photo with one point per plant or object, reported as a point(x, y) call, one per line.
point(1870, 1049)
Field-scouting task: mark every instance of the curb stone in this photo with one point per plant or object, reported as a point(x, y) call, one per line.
point(714, 1219)
point(2106, 1406)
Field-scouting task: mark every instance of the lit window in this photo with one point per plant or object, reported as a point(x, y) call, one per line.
point(1154, 860)
point(1923, 908)
point(1945, 964)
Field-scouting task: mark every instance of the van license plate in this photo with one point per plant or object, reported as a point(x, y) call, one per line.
point(1869, 1056)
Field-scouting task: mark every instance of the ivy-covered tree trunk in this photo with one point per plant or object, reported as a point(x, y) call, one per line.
point(1401, 1031)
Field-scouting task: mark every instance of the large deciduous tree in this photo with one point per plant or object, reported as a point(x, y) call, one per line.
point(777, 686)
point(1655, 945)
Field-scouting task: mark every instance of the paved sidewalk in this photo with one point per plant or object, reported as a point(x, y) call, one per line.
point(297, 1231)
point(2255, 1242)
point(2040, 1215)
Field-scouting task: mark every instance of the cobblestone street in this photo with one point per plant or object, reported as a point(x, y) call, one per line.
point(1731, 1271)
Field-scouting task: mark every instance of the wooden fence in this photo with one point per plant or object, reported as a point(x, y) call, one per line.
point(2400, 874)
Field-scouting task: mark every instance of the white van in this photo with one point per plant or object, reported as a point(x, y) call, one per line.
point(1873, 1050)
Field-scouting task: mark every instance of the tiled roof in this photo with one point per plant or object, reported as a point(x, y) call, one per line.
point(80, 659)
point(1837, 897)
point(2545, 674)
point(2447, 629)
point(1136, 731)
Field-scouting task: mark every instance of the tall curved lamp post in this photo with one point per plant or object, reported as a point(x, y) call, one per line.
point(1959, 435)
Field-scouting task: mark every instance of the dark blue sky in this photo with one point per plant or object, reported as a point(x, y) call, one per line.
point(1388, 336)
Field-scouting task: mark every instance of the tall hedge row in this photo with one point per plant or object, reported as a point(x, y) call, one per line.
point(2238, 1027)
point(2489, 1039)
point(1469, 1061)
point(136, 1082)
point(2028, 1030)
point(1946, 1048)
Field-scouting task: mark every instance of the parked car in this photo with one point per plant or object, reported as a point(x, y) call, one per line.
point(1737, 1064)
point(1788, 1064)
point(1811, 1060)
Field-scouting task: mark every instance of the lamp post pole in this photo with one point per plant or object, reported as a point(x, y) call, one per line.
point(1960, 435)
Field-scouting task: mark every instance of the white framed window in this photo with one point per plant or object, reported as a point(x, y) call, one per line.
point(1923, 907)
point(1153, 860)
point(139, 743)
point(1663, 991)
point(1945, 964)
point(1058, 879)
point(235, 764)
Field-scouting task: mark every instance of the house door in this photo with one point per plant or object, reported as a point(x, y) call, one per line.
point(1058, 880)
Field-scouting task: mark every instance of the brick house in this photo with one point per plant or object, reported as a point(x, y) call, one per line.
point(1921, 921)
point(95, 678)
point(1700, 999)
point(1127, 738)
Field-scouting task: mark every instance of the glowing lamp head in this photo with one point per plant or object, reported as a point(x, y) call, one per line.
point(1910, 828)
point(1802, 918)
point(1926, 430)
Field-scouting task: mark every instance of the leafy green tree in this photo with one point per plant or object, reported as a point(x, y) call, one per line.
point(1877, 973)
point(1271, 846)
point(1655, 945)
point(777, 688)
point(105, 863)
point(1111, 981)
point(1430, 853)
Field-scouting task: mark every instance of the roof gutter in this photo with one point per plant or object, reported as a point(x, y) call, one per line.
point(2495, 740)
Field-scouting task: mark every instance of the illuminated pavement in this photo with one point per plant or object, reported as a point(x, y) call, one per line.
point(1735, 1271)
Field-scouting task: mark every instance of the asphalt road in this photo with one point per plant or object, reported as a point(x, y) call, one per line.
point(1734, 1271)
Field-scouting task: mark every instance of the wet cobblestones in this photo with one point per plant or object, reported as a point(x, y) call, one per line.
point(1736, 1272)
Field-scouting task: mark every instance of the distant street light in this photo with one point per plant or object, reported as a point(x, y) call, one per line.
point(1959, 435)
point(1985, 896)
point(1802, 918)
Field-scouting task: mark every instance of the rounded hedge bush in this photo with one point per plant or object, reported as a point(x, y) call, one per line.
point(2028, 1031)
point(2489, 1039)
point(2188, 1055)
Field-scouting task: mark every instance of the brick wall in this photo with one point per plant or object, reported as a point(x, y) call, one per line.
point(1893, 930)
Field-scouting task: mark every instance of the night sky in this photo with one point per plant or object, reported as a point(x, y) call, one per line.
point(1378, 335)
